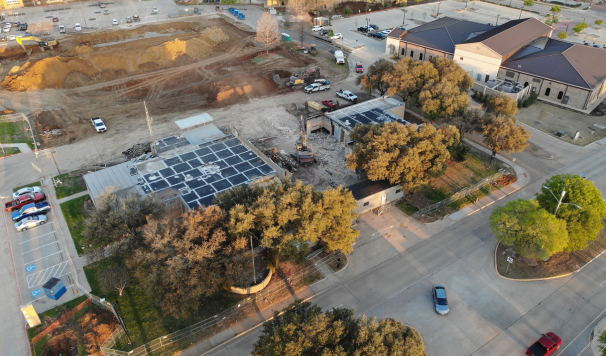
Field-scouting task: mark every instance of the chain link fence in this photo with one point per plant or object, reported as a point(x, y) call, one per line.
point(221, 321)
point(465, 192)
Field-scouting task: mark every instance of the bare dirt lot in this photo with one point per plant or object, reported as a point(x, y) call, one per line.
point(192, 66)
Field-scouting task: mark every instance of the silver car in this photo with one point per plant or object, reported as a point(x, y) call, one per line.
point(28, 190)
point(29, 222)
point(440, 301)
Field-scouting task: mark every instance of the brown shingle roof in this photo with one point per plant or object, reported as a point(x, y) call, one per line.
point(512, 35)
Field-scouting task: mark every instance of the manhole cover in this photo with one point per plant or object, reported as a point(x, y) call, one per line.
point(538, 123)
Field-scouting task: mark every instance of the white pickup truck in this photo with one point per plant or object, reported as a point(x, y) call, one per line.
point(347, 95)
point(317, 86)
point(339, 57)
point(98, 124)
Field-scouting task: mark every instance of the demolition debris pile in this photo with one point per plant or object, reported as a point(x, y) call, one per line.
point(108, 62)
point(137, 150)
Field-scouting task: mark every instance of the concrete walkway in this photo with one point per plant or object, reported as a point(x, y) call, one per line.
point(77, 195)
point(23, 147)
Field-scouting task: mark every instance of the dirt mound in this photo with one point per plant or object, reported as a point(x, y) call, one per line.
point(107, 63)
point(231, 89)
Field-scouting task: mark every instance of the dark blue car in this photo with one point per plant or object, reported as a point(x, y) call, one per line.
point(32, 209)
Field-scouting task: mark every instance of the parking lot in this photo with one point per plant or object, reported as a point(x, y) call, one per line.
point(38, 255)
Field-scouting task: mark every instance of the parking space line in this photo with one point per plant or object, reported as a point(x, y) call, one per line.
point(41, 258)
point(38, 237)
point(39, 278)
point(33, 249)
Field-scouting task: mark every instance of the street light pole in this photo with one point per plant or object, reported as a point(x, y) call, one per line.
point(466, 3)
point(520, 13)
point(403, 21)
point(560, 200)
point(438, 14)
point(497, 23)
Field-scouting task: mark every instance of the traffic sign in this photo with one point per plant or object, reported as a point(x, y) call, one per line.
point(509, 260)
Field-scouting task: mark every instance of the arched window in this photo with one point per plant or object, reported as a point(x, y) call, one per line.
point(412, 53)
point(420, 56)
point(547, 91)
point(560, 95)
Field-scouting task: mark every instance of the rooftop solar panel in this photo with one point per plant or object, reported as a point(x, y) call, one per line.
point(228, 172)
point(237, 179)
point(224, 154)
point(187, 156)
point(265, 169)
point(217, 147)
point(232, 161)
point(166, 172)
point(248, 155)
point(242, 167)
point(208, 200)
point(231, 142)
point(212, 178)
point(189, 197)
point(182, 167)
point(194, 173)
point(158, 185)
point(205, 190)
point(256, 162)
point(178, 186)
point(193, 204)
point(172, 161)
point(239, 149)
point(203, 151)
point(182, 144)
point(193, 184)
point(176, 179)
point(222, 164)
point(209, 158)
point(222, 185)
point(146, 189)
point(194, 163)
point(253, 174)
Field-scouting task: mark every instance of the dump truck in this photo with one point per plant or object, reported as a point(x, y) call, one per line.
point(44, 45)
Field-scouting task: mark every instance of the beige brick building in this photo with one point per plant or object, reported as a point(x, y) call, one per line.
point(519, 52)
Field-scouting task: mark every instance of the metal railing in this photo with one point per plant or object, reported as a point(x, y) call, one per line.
point(233, 314)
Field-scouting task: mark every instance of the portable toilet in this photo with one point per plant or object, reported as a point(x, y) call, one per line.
point(54, 288)
point(241, 16)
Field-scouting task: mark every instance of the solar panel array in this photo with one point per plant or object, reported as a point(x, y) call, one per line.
point(211, 168)
point(367, 112)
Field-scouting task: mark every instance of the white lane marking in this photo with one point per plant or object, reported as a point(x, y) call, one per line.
point(34, 249)
point(38, 237)
point(41, 258)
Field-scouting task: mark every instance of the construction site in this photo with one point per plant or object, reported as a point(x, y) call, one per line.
point(178, 68)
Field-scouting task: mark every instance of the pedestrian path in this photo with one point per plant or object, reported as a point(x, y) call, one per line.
point(23, 147)
point(74, 196)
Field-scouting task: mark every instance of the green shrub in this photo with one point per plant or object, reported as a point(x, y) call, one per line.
point(459, 151)
point(347, 11)
point(580, 27)
point(599, 22)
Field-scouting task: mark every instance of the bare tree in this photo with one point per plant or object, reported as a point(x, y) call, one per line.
point(301, 27)
point(115, 277)
point(267, 31)
point(298, 7)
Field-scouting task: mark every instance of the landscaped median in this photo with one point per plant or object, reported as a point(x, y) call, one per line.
point(559, 265)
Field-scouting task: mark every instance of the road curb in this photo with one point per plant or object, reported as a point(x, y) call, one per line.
point(16, 154)
point(545, 278)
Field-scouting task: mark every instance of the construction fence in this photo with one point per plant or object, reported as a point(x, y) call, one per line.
point(222, 320)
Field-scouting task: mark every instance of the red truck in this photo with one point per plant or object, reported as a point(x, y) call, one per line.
point(24, 200)
point(545, 346)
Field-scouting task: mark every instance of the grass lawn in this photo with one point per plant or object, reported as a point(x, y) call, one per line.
point(34, 184)
point(72, 183)
point(9, 151)
point(16, 132)
point(458, 175)
point(559, 264)
point(73, 211)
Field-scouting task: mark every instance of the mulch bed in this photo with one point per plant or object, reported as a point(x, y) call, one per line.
point(559, 264)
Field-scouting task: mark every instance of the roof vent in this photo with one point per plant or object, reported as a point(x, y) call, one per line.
point(347, 122)
point(519, 66)
point(188, 177)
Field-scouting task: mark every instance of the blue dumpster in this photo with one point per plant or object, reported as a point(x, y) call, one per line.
point(54, 288)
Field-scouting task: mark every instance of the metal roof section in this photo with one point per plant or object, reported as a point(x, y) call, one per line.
point(368, 187)
point(198, 172)
point(375, 111)
point(512, 35)
point(444, 33)
point(573, 64)
point(194, 121)
point(203, 134)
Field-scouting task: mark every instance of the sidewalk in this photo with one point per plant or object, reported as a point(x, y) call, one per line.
point(77, 195)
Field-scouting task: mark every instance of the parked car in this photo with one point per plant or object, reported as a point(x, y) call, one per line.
point(78, 27)
point(347, 95)
point(323, 32)
point(129, 19)
point(24, 200)
point(101, 5)
point(155, 10)
point(12, 37)
point(31, 210)
point(136, 18)
point(374, 27)
point(23, 27)
point(330, 103)
point(55, 19)
point(440, 301)
point(545, 346)
point(359, 67)
point(317, 28)
point(30, 222)
point(7, 29)
point(363, 29)
point(115, 22)
point(25, 191)
point(317, 87)
point(337, 36)
point(98, 124)
point(106, 12)
point(62, 29)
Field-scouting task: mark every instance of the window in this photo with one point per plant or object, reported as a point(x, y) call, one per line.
point(461, 58)
point(420, 56)
point(547, 91)
point(509, 74)
point(398, 190)
point(412, 53)
point(536, 80)
point(365, 204)
point(403, 51)
point(525, 84)
point(487, 77)
point(560, 95)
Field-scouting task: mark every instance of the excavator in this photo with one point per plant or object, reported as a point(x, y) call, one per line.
point(44, 45)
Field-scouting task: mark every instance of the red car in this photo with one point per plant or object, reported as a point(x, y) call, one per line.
point(55, 19)
point(24, 200)
point(359, 67)
point(545, 346)
point(330, 103)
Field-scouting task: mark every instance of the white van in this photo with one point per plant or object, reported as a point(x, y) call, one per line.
point(78, 27)
point(339, 57)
